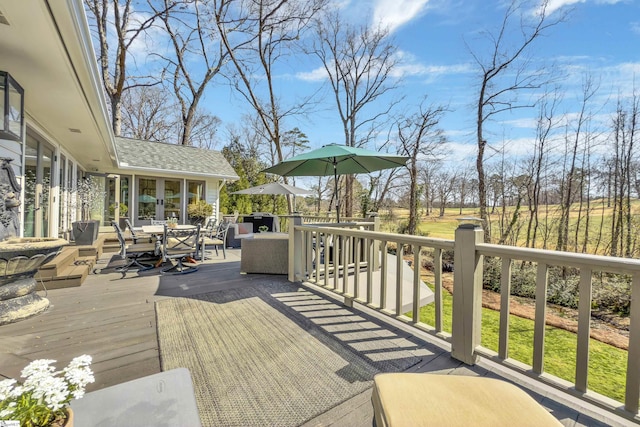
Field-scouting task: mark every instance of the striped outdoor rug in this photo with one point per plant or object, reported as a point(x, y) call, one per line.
point(255, 361)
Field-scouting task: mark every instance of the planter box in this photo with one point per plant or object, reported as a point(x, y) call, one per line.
point(85, 232)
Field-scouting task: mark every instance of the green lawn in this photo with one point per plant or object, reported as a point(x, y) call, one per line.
point(607, 364)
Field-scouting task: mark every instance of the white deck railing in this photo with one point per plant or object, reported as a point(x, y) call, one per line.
point(330, 255)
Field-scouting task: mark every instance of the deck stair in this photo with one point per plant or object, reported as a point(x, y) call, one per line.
point(74, 263)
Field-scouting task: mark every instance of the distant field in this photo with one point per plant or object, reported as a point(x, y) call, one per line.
point(444, 227)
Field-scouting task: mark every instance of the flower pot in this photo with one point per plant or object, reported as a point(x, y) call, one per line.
point(66, 422)
point(85, 232)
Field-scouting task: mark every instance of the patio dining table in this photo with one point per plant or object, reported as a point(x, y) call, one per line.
point(158, 230)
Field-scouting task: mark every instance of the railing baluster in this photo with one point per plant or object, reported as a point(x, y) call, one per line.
point(633, 358)
point(344, 260)
point(584, 327)
point(399, 277)
point(369, 244)
point(416, 283)
point(540, 320)
point(437, 287)
point(336, 261)
point(383, 276)
point(505, 297)
point(308, 254)
point(317, 250)
point(356, 273)
point(325, 259)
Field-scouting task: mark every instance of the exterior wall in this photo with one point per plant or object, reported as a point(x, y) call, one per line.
point(212, 195)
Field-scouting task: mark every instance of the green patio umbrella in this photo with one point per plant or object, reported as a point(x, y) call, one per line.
point(335, 159)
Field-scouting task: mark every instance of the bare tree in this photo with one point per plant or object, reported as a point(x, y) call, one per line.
point(257, 35)
point(572, 188)
point(419, 136)
point(444, 183)
point(122, 19)
point(197, 57)
point(625, 132)
point(546, 123)
point(358, 62)
point(147, 115)
point(498, 89)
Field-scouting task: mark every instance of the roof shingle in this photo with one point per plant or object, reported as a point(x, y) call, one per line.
point(161, 156)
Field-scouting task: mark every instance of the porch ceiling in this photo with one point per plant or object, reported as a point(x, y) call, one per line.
point(46, 46)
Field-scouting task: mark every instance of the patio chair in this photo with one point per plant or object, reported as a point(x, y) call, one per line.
point(138, 235)
point(132, 253)
point(180, 245)
point(215, 238)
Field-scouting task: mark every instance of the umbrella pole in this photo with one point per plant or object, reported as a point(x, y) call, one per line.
point(335, 183)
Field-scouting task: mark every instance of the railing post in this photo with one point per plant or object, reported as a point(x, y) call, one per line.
point(295, 249)
point(467, 293)
point(373, 217)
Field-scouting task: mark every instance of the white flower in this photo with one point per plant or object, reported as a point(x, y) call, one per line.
point(79, 362)
point(79, 377)
point(44, 389)
point(38, 367)
point(6, 387)
point(6, 412)
point(56, 393)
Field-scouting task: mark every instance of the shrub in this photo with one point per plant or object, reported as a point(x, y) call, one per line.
point(199, 210)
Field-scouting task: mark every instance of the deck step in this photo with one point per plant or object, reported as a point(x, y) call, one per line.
point(70, 276)
point(66, 257)
point(72, 265)
point(111, 247)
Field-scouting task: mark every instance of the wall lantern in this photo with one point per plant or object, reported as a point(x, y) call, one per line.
point(11, 107)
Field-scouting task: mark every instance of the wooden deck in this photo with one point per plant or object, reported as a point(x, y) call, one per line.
point(113, 319)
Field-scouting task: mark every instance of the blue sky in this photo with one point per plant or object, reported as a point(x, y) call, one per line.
point(600, 38)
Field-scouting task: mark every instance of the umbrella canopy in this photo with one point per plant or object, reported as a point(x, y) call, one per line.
point(145, 198)
point(335, 159)
point(275, 188)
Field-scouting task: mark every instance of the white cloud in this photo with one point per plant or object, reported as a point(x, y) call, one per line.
point(407, 65)
point(559, 4)
point(316, 75)
point(554, 5)
point(392, 14)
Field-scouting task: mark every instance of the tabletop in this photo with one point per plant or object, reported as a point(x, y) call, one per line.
point(159, 229)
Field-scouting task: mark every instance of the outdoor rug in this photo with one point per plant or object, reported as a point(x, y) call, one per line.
point(256, 361)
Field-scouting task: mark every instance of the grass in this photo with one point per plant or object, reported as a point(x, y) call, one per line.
point(444, 227)
point(607, 364)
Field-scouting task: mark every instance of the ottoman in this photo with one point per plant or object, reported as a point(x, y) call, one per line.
point(266, 253)
point(410, 399)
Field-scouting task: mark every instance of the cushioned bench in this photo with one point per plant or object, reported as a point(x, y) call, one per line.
point(413, 400)
point(237, 232)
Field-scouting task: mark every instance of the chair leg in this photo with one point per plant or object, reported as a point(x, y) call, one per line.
point(133, 262)
point(179, 268)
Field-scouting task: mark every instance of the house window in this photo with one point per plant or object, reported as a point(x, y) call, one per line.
point(196, 191)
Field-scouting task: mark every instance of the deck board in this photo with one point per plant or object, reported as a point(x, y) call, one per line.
point(113, 320)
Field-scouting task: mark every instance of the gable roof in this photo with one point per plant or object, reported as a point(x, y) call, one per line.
point(157, 157)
